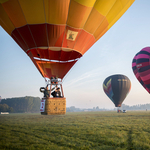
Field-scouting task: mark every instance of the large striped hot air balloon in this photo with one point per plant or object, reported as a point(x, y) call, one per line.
point(117, 87)
point(141, 67)
point(55, 34)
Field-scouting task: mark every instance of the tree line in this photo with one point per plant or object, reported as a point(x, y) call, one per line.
point(136, 107)
point(123, 107)
point(74, 109)
point(32, 104)
point(20, 104)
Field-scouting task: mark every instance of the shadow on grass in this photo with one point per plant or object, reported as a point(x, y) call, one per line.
point(130, 140)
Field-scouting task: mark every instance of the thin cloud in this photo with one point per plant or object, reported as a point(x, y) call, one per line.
point(89, 76)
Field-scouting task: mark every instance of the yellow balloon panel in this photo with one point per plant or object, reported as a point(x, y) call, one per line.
point(104, 6)
point(88, 3)
point(78, 14)
point(5, 21)
point(46, 7)
point(101, 30)
point(126, 2)
point(33, 11)
point(94, 20)
point(57, 12)
point(2, 1)
point(14, 11)
point(115, 10)
point(125, 8)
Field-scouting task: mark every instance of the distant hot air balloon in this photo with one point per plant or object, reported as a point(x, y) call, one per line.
point(116, 88)
point(56, 33)
point(141, 67)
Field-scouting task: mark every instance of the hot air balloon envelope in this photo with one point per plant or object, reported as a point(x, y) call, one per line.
point(56, 33)
point(141, 67)
point(116, 88)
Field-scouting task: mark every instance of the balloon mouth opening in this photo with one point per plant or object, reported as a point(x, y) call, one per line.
point(118, 105)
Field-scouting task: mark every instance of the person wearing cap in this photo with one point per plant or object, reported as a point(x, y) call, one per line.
point(56, 93)
point(45, 90)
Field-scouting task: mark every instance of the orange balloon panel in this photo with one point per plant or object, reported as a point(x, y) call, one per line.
point(57, 32)
point(55, 69)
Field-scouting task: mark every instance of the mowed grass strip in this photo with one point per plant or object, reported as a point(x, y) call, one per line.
point(84, 130)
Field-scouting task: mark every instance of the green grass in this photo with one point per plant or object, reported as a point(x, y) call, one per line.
point(83, 131)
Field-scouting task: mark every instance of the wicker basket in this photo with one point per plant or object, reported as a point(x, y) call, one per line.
point(54, 106)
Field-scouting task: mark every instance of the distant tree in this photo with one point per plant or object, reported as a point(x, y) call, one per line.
point(136, 107)
point(5, 108)
point(97, 108)
point(10, 109)
point(23, 104)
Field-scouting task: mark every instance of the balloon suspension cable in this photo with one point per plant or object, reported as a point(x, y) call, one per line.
point(47, 81)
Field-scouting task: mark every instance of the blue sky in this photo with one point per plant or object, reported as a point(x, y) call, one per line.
point(112, 54)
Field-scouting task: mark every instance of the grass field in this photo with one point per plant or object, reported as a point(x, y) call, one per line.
point(73, 131)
